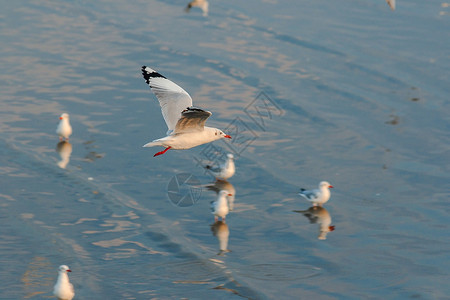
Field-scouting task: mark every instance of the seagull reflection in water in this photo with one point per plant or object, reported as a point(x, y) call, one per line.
point(319, 215)
point(220, 207)
point(221, 231)
point(391, 4)
point(203, 4)
point(64, 149)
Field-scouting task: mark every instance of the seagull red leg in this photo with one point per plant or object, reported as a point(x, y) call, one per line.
point(162, 152)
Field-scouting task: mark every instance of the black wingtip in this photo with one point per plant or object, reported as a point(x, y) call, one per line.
point(195, 111)
point(193, 108)
point(148, 74)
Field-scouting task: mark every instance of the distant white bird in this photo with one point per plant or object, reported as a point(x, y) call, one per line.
point(225, 170)
point(317, 196)
point(220, 206)
point(64, 130)
point(203, 4)
point(319, 215)
point(63, 289)
point(64, 148)
point(391, 4)
point(186, 123)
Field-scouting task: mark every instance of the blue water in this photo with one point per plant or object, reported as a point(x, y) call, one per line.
point(344, 91)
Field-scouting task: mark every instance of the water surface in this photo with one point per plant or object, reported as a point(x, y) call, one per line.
point(349, 92)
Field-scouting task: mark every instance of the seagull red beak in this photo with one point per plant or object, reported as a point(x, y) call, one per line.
point(331, 228)
point(69, 270)
point(60, 118)
point(227, 136)
point(330, 187)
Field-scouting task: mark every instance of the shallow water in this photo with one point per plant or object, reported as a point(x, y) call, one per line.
point(349, 92)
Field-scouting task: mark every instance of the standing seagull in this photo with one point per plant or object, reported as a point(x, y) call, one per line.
point(224, 171)
point(219, 185)
point(64, 130)
point(317, 196)
point(391, 4)
point(63, 289)
point(186, 123)
point(203, 4)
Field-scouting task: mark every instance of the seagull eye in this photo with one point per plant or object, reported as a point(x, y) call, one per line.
point(216, 133)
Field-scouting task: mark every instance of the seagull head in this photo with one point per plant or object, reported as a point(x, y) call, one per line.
point(225, 193)
point(222, 134)
point(64, 268)
point(325, 184)
point(64, 116)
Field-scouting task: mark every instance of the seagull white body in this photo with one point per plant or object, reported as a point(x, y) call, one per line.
point(203, 4)
point(186, 124)
point(220, 206)
point(391, 4)
point(64, 130)
point(318, 196)
point(186, 140)
point(63, 289)
point(224, 171)
point(319, 215)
